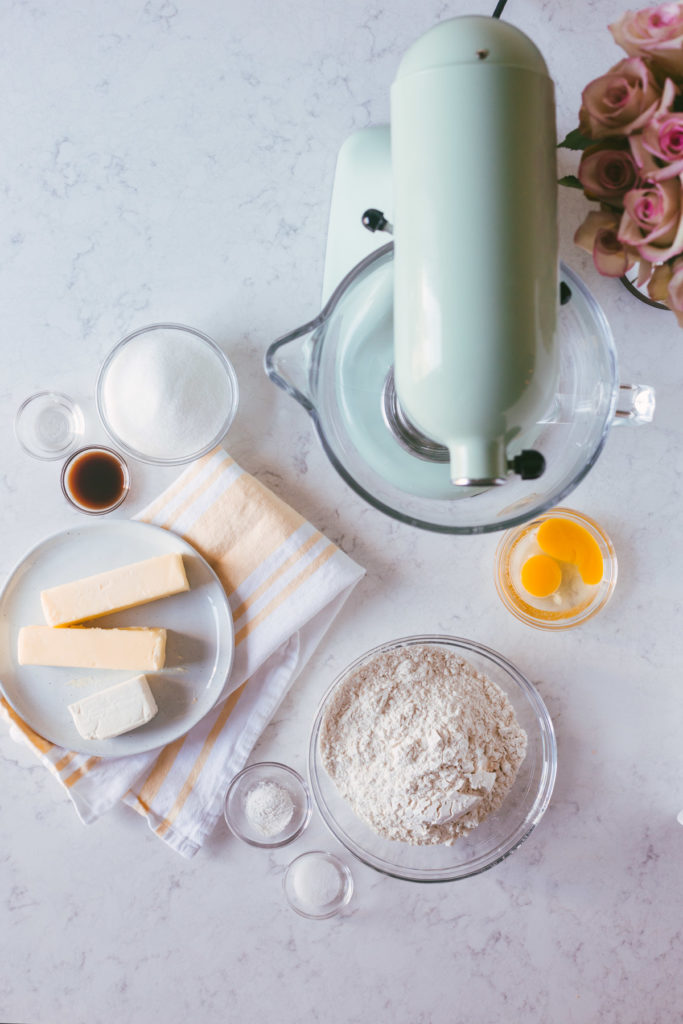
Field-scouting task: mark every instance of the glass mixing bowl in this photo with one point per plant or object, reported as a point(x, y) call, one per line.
point(338, 367)
point(186, 344)
point(501, 832)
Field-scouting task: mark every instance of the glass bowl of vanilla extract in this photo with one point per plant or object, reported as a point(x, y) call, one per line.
point(95, 480)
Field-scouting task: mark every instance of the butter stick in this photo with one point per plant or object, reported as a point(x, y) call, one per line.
point(113, 591)
point(138, 649)
point(116, 710)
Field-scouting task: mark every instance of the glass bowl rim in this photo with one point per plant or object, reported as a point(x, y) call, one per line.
point(133, 452)
point(533, 816)
point(298, 778)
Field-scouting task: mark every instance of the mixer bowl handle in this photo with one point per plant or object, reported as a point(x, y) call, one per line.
point(635, 404)
point(279, 364)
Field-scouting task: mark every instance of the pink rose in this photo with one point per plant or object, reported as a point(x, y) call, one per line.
point(655, 33)
point(651, 222)
point(620, 102)
point(598, 236)
point(607, 171)
point(674, 299)
point(658, 149)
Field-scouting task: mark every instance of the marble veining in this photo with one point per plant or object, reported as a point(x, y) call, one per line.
point(174, 161)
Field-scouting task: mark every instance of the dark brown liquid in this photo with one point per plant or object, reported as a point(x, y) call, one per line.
point(96, 480)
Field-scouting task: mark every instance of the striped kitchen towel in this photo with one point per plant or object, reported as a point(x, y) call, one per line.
point(285, 583)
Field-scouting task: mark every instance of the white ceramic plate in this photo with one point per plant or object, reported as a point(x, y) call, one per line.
point(199, 646)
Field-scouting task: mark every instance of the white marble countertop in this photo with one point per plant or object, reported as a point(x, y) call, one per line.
point(173, 160)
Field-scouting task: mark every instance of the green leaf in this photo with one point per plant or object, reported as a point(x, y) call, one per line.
point(570, 181)
point(575, 140)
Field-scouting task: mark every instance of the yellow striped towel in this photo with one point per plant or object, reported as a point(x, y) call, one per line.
point(285, 583)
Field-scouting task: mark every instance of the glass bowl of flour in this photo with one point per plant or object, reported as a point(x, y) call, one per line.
point(432, 758)
point(167, 394)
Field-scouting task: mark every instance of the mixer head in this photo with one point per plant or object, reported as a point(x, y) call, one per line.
point(475, 249)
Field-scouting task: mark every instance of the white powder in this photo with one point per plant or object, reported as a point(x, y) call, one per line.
point(167, 394)
point(316, 882)
point(422, 745)
point(269, 808)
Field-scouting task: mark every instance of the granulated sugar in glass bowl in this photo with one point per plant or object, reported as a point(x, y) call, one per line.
point(500, 832)
point(167, 394)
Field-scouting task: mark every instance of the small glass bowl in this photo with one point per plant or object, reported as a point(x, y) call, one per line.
point(48, 424)
point(68, 491)
point(317, 885)
point(510, 552)
point(180, 334)
point(247, 780)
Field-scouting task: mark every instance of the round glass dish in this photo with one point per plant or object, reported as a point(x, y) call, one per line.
point(184, 344)
point(246, 826)
point(501, 832)
point(317, 885)
point(95, 480)
point(519, 544)
point(48, 424)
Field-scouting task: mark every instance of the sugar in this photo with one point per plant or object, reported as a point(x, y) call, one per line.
point(166, 394)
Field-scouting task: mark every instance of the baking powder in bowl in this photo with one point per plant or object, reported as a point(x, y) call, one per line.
point(166, 393)
point(269, 808)
point(421, 744)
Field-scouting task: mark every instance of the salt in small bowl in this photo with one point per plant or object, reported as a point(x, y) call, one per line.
point(317, 885)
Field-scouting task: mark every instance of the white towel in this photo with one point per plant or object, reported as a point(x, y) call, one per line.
point(285, 584)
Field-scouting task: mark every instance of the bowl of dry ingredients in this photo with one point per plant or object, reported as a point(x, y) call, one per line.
point(267, 804)
point(432, 758)
point(166, 394)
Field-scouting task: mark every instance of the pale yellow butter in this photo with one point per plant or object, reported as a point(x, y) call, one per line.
point(116, 710)
point(139, 649)
point(112, 591)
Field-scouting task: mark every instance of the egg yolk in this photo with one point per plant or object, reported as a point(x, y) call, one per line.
point(541, 575)
point(569, 542)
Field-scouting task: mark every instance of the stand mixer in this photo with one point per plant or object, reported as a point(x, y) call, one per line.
point(448, 383)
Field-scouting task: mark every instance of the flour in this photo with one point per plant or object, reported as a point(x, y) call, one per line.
point(421, 745)
point(269, 808)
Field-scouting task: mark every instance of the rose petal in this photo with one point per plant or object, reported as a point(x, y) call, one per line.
point(659, 283)
point(611, 263)
point(596, 220)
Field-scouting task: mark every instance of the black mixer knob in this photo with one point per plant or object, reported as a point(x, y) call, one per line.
point(529, 464)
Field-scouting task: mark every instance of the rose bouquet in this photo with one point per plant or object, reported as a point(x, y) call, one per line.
point(631, 136)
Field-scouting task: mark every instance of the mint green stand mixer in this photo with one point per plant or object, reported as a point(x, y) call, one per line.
point(456, 380)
